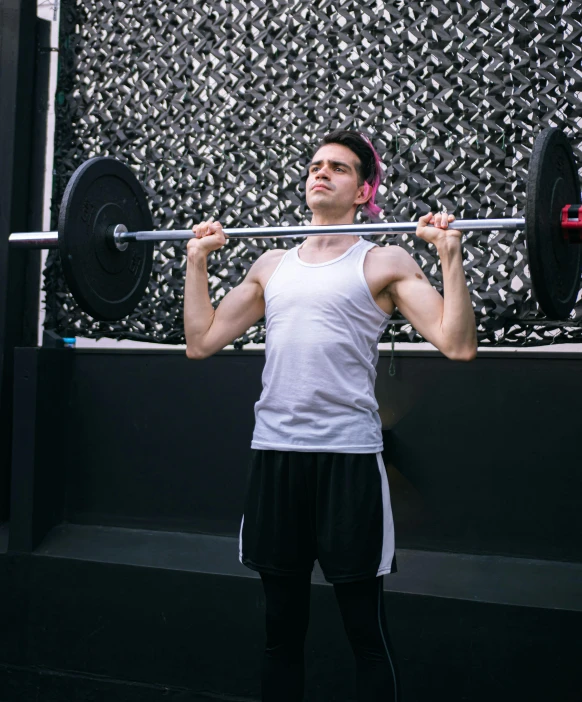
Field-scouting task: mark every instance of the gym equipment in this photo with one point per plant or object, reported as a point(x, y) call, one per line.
point(107, 281)
point(106, 240)
point(554, 259)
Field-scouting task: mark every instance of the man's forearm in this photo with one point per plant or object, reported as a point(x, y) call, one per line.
point(198, 310)
point(458, 323)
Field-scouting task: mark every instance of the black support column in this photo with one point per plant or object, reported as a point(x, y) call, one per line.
point(24, 72)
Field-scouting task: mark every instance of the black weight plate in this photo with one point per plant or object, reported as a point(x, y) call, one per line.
point(554, 264)
point(106, 283)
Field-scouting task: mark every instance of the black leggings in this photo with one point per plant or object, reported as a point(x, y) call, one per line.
point(362, 608)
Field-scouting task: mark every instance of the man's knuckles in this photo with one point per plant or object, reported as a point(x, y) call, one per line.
point(208, 228)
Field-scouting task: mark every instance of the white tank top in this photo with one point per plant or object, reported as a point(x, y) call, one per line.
point(322, 333)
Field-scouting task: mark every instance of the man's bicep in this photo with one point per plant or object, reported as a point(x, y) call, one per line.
point(419, 302)
point(240, 308)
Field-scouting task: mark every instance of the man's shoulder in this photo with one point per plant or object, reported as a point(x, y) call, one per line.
point(385, 265)
point(265, 265)
point(270, 258)
point(272, 254)
point(391, 253)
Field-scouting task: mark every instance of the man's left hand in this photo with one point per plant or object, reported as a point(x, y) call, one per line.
point(434, 228)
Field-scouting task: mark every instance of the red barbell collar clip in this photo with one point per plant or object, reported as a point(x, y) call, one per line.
point(572, 223)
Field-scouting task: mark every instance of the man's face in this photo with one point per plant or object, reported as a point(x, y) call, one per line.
point(332, 184)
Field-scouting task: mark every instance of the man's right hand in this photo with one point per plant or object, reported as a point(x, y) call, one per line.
point(208, 236)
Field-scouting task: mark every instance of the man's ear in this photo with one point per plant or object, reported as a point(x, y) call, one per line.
point(365, 196)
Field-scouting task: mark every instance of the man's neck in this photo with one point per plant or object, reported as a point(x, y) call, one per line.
point(334, 241)
point(324, 219)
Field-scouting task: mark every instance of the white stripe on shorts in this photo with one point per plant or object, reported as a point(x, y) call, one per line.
point(388, 522)
point(240, 539)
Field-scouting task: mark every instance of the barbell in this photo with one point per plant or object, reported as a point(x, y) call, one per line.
point(105, 232)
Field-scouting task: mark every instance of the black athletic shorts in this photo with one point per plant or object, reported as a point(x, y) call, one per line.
point(333, 507)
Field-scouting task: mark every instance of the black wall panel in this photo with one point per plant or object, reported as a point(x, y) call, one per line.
point(482, 457)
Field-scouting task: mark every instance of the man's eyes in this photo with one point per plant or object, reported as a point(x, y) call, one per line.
point(337, 168)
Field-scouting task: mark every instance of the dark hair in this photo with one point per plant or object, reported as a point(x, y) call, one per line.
point(370, 169)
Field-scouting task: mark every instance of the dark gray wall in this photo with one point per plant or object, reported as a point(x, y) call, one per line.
point(482, 457)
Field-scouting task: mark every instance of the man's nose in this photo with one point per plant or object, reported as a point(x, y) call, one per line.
point(323, 172)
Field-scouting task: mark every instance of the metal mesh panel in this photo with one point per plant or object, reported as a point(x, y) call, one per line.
point(216, 106)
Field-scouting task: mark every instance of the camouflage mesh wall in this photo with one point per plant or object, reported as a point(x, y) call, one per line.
point(216, 105)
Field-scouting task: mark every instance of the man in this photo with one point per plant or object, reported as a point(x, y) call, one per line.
point(317, 486)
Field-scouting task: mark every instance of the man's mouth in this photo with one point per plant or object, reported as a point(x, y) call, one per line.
point(320, 186)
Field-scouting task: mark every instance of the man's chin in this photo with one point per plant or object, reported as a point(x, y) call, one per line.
point(316, 203)
point(321, 200)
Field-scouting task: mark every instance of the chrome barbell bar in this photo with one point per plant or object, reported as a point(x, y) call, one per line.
point(120, 236)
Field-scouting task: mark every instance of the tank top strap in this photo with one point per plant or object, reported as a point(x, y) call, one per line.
point(363, 249)
point(357, 252)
